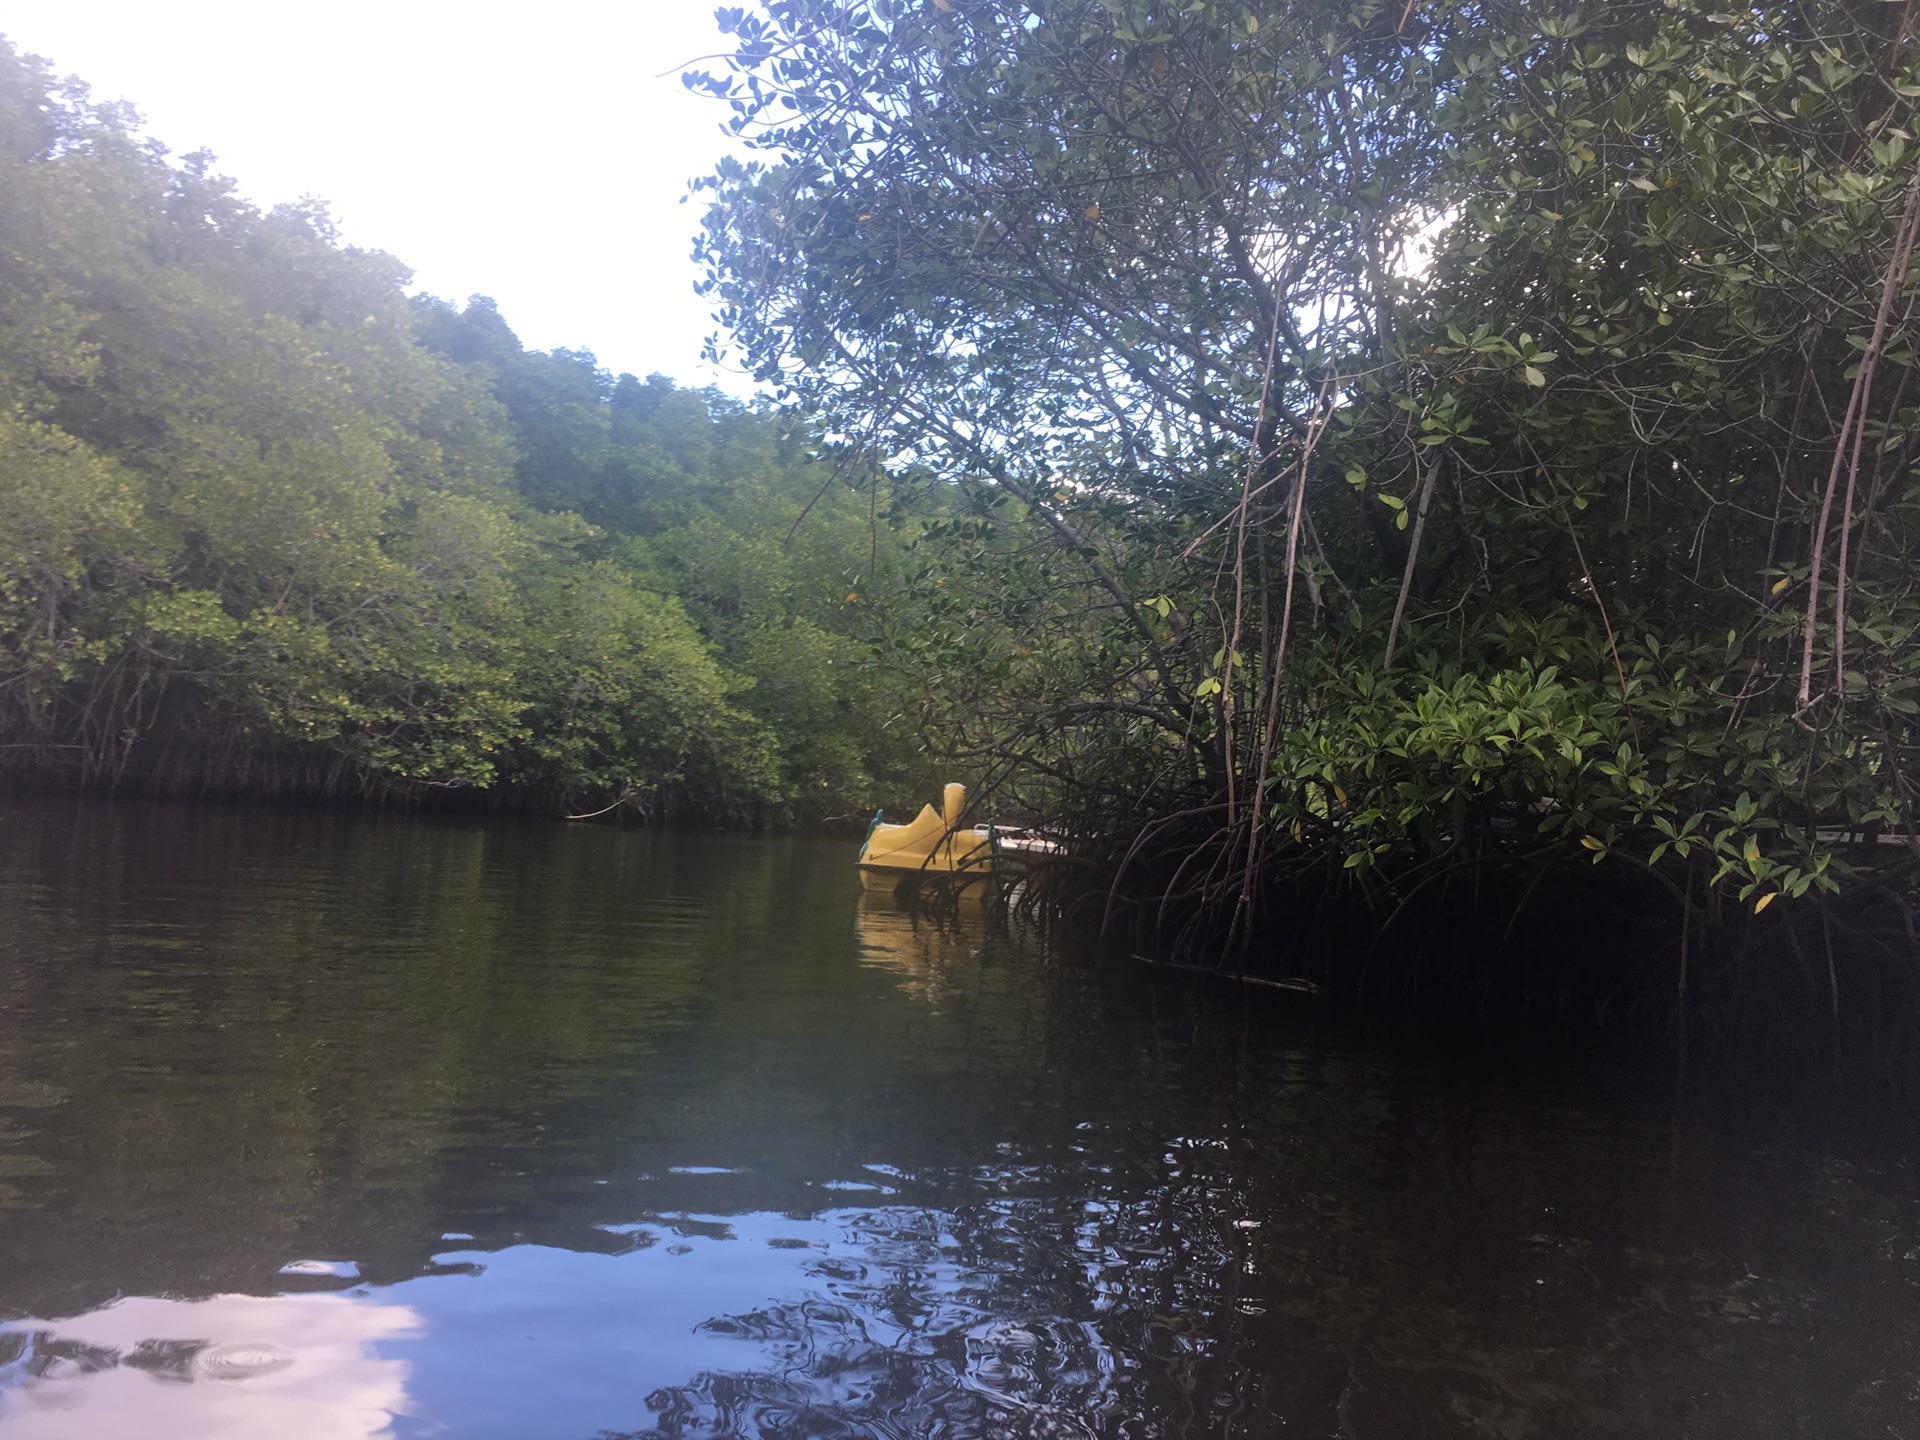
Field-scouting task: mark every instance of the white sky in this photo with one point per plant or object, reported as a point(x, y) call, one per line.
point(535, 153)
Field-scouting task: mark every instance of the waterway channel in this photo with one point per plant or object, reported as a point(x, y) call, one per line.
point(317, 1125)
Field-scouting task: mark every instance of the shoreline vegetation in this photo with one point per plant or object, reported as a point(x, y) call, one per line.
point(1423, 497)
point(1453, 466)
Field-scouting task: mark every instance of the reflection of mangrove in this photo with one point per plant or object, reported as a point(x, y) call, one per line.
point(1227, 1301)
point(993, 1379)
point(1016, 1317)
point(368, 997)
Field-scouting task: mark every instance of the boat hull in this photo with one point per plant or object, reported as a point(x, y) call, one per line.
point(891, 877)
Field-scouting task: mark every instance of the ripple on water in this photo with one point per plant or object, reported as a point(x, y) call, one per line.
point(241, 1360)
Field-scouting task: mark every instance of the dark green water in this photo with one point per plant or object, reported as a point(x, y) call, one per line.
point(314, 1126)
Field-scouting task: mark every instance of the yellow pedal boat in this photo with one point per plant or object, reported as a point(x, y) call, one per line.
point(932, 843)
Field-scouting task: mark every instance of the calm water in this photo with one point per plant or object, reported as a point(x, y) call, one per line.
point(314, 1126)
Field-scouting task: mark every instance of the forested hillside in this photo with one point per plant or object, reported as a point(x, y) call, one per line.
point(270, 527)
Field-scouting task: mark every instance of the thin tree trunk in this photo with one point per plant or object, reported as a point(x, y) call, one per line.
point(1413, 556)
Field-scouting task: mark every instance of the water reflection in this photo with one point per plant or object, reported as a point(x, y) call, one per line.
point(390, 1127)
point(921, 944)
point(295, 1367)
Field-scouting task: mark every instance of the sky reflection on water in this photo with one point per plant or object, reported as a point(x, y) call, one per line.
point(300, 1367)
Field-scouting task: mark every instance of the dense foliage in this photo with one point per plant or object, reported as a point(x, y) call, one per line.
point(269, 526)
point(1434, 445)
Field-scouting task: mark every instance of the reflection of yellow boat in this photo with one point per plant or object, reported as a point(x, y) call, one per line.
point(919, 951)
point(932, 843)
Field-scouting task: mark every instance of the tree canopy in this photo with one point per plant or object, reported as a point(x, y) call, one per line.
point(269, 526)
point(1466, 437)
